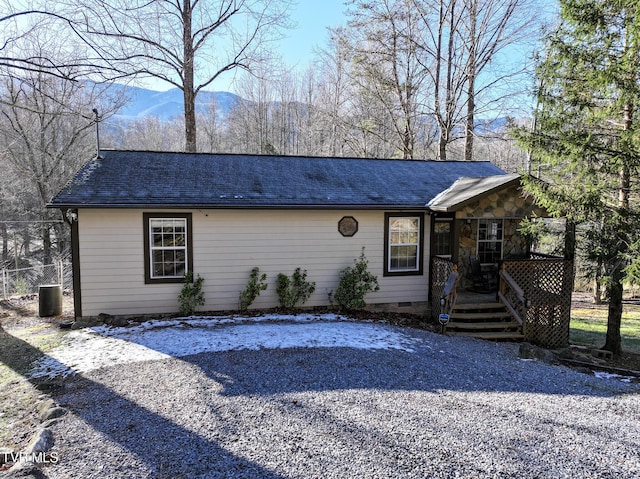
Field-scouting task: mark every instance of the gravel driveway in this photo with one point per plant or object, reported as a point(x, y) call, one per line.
point(445, 408)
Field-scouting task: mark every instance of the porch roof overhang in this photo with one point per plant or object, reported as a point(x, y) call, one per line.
point(467, 189)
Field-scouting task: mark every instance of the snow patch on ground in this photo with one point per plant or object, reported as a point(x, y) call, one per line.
point(605, 375)
point(93, 348)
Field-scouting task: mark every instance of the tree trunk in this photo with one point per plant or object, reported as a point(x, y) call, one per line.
point(597, 285)
point(471, 83)
point(46, 243)
point(188, 81)
point(469, 124)
point(190, 120)
point(450, 94)
point(613, 341)
point(5, 242)
point(26, 241)
point(442, 145)
point(570, 240)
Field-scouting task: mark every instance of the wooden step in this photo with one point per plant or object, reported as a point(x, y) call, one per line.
point(484, 325)
point(480, 316)
point(493, 335)
point(489, 321)
point(477, 306)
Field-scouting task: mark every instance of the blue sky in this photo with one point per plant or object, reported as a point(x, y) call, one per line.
point(312, 18)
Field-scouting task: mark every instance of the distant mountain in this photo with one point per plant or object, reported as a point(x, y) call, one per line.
point(167, 105)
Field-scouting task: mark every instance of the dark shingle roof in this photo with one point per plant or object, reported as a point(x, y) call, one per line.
point(163, 179)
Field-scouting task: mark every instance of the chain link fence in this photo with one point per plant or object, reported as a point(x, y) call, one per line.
point(18, 282)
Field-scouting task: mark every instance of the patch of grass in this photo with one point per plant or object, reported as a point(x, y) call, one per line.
point(589, 326)
point(20, 348)
point(24, 346)
point(18, 417)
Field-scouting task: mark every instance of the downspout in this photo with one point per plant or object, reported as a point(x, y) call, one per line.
point(71, 216)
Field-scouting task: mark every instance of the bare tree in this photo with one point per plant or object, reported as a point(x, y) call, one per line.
point(254, 115)
point(21, 22)
point(490, 27)
point(46, 129)
point(386, 64)
point(462, 45)
point(147, 133)
point(185, 43)
point(334, 91)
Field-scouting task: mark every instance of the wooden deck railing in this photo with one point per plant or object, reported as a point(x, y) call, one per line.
point(537, 292)
point(512, 296)
point(440, 270)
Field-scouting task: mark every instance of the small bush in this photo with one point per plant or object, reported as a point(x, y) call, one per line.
point(191, 295)
point(355, 282)
point(256, 284)
point(21, 286)
point(294, 290)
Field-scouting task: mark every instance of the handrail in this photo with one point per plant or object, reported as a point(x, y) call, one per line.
point(508, 281)
point(514, 286)
point(536, 255)
point(511, 309)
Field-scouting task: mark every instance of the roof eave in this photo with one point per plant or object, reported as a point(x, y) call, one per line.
point(239, 206)
point(458, 206)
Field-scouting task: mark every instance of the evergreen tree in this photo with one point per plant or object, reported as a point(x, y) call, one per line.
point(586, 137)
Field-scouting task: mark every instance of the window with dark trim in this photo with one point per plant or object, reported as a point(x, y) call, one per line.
point(442, 244)
point(490, 237)
point(404, 240)
point(168, 250)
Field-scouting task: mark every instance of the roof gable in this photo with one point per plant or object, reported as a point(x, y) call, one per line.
point(166, 179)
point(466, 190)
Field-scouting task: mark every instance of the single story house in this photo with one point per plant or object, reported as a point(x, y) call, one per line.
point(141, 219)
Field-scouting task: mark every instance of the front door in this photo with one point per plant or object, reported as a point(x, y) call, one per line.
point(442, 237)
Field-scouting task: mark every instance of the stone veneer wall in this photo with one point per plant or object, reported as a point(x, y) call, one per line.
point(508, 204)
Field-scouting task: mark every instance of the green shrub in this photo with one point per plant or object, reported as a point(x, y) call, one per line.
point(256, 284)
point(21, 286)
point(294, 290)
point(355, 282)
point(191, 295)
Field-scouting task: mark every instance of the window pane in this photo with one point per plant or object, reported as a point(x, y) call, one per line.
point(404, 238)
point(180, 269)
point(404, 257)
point(490, 232)
point(168, 247)
point(158, 264)
point(442, 238)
